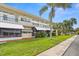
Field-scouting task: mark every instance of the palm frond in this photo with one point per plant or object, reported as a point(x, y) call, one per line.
point(74, 20)
point(51, 5)
point(63, 5)
point(60, 5)
point(43, 9)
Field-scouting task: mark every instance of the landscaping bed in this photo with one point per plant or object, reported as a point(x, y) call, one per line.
point(30, 47)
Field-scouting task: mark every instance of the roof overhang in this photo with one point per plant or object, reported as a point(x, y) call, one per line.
point(9, 25)
point(39, 28)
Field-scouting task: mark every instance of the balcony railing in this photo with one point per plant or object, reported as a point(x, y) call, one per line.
point(17, 21)
point(8, 20)
point(13, 21)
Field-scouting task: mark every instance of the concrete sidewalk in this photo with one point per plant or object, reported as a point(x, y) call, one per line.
point(59, 49)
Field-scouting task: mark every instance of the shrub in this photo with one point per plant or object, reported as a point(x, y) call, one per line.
point(41, 34)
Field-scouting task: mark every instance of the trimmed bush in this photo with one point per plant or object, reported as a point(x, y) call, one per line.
point(41, 34)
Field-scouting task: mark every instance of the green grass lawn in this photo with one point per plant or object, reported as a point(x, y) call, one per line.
point(29, 47)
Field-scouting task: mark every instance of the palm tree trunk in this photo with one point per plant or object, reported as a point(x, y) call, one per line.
point(51, 27)
point(62, 33)
point(51, 32)
point(56, 32)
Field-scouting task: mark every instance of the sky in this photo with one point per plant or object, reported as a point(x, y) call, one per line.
point(60, 14)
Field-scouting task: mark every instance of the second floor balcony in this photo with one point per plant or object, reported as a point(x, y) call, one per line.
point(14, 21)
point(21, 21)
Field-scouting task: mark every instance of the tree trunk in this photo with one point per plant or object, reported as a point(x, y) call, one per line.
point(51, 32)
point(51, 28)
point(56, 32)
point(62, 33)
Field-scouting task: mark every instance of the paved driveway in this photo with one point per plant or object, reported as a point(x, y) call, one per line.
point(73, 49)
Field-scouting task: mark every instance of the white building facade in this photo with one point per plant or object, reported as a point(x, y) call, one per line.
point(15, 23)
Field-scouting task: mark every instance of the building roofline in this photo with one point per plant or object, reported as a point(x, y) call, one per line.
point(15, 11)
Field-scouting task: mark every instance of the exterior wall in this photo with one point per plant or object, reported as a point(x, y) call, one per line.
point(27, 32)
point(27, 35)
point(19, 12)
point(24, 19)
point(19, 19)
point(10, 17)
point(40, 25)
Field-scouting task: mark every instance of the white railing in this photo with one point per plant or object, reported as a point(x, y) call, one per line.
point(13, 21)
point(9, 20)
point(17, 21)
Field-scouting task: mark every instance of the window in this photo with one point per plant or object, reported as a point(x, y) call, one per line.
point(16, 19)
point(0, 31)
point(22, 19)
point(35, 24)
point(25, 20)
point(5, 33)
point(5, 17)
point(26, 31)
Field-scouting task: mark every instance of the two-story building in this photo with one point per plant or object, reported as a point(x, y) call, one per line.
point(16, 23)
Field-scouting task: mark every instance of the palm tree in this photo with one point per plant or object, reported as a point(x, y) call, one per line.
point(73, 21)
point(77, 31)
point(52, 7)
point(61, 28)
point(68, 25)
point(56, 28)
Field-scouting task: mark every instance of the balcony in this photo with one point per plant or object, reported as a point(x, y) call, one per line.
point(8, 20)
point(14, 21)
point(25, 23)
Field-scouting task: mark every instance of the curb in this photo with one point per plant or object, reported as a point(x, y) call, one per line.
point(59, 49)
point(68, 46)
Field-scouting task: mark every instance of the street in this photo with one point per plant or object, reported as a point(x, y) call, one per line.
point(73, 49)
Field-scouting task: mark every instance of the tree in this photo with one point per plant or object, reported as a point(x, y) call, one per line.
point(65, 27)
point(68, 25)
point(56, 28)
point(52, 11)
point(77, 31)
point(61, 28)
point(73, 21)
